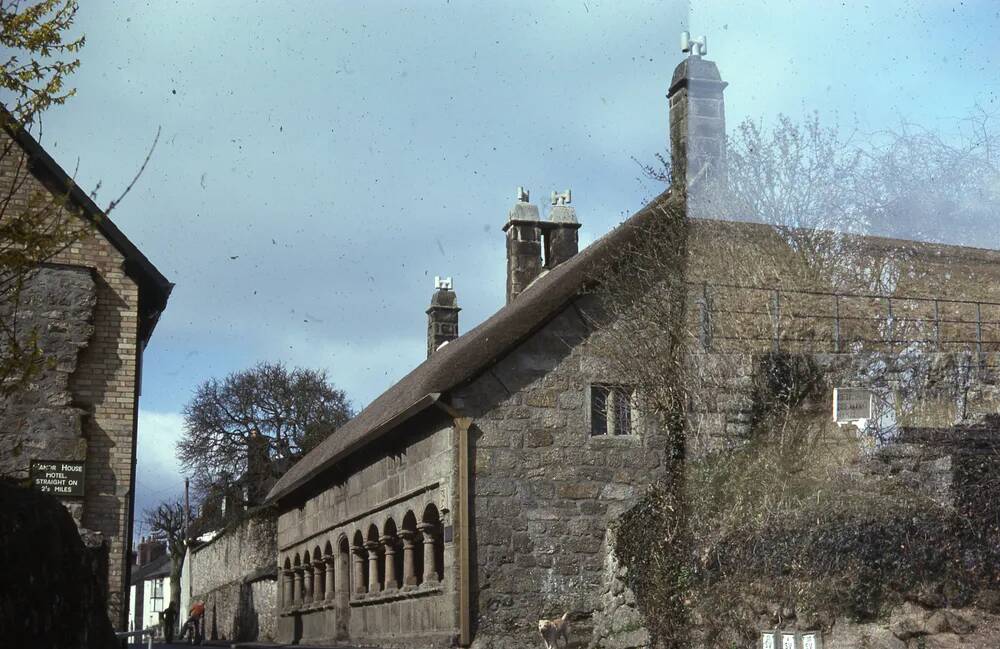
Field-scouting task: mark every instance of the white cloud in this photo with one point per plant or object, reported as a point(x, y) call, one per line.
point(158, 474)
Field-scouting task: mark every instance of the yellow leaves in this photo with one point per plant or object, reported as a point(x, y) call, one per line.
point(36, 34)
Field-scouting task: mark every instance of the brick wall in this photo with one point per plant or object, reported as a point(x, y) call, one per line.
point(104, 386)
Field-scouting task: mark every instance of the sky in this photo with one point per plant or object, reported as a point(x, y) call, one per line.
point(320, 163)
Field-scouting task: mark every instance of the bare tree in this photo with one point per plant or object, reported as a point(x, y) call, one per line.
point(254, 424)
point(166, 521)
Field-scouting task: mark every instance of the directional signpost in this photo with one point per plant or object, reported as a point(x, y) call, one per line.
point(58, 477)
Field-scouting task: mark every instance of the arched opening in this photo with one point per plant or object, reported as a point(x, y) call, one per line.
point(307, 578)
point(343, 567)
point(376, 563)
point(413, 543)
point(296, 580)
point(433, 543)
point(360, 563)
point(319, 575)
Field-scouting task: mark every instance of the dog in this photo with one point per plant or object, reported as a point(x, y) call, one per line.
point(552, 629)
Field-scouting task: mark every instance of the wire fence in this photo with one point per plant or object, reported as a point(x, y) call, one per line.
point(734, 317)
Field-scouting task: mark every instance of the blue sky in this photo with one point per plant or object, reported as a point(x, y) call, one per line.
point(320, 163)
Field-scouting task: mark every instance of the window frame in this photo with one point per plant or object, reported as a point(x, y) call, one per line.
point(613, 388)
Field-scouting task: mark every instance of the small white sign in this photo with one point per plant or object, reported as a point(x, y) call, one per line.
point(809, 641)
point(767, 640)
point(851, 404)
point(787, 641)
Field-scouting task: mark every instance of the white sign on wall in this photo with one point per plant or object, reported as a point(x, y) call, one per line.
point(851, 404)
point(791, 639)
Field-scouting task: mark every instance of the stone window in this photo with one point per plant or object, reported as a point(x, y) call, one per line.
point(611, 409)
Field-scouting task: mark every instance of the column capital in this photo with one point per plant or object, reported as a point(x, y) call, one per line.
point(388, 540)
point(371, 546)
point(358, 550)
point(329, 558)
point(319, 563)
point(428, 529)
point(407, 536)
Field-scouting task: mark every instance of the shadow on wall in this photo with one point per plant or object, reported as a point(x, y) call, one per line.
point(246, 621)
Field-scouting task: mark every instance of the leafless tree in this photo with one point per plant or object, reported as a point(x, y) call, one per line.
point(166, 521)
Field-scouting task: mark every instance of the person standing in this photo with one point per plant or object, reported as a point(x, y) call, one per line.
point(168, 619)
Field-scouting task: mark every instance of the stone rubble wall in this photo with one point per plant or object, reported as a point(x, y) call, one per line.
point(618, 623)
point(546, 491)
point(44, 421)
point(235, 574)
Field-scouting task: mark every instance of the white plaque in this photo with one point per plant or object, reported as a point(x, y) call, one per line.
point(767, 640)
point(787, 641)
point(851, 404)
point(809, 641)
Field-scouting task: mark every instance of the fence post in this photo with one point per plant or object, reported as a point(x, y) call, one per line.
point(979, 331)
point(776, 313)
point(937, 327)
point(836, 324)
point(706, 318)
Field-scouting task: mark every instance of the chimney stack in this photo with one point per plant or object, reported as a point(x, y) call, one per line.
point(524, 245)
point(697, 120)
point(560, 231)
point(442, 315)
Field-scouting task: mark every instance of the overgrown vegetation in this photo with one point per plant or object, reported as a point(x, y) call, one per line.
point(773, 515)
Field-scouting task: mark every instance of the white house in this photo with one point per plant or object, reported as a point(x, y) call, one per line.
point(149, 593)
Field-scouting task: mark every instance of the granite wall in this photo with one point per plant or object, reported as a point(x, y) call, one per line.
point(236, 576)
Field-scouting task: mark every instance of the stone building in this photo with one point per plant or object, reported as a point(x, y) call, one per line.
point(478, 494)
point(94, 307)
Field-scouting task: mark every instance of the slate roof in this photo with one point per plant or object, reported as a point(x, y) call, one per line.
point(154, 288)
point(464, 358)
point(158, 567)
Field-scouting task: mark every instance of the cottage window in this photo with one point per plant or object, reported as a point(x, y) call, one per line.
point(611, 409)
point(156, 598)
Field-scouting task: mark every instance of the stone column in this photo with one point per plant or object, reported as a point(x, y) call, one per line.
point(287, 579)
point(307, 583)
point(330, 586)
point(297, 586)
point(391, 582)
point(319, 580)
point(409, 545)
point(429, 532)
point(373, 585)
point(359, 568)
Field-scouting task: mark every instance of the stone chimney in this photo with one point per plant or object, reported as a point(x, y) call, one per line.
point(559, 233)
point(697, 119)
point(524, 245)
point(442, 315)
